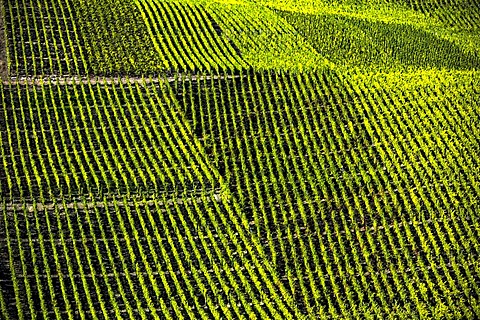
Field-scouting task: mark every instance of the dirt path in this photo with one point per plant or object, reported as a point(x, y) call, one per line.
point(63, 80)
point(115, 201)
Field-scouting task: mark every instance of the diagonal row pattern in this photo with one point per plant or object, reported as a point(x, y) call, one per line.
point(78, 37)
point(459, 14)
point(353, 189)
point(221, 191)
point(188, 40)
point(128, 257)
point(42, 38)
point(137, 233)
point(342, 39)
point(71, 139)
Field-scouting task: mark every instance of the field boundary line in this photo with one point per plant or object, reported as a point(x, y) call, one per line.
point(72, 80)
point(111, 203)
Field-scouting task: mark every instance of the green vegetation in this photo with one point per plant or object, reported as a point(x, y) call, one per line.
point(116, 40)
point(397, 12)
point(339, 180)
point(343, 39)
point(459, 14)
point(190, 41)
point(239, 159)
point(41, 38)
point(265, 40)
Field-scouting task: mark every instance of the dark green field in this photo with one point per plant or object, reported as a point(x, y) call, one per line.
point(239, 159)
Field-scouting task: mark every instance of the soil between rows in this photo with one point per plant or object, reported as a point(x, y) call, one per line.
point(3, 45)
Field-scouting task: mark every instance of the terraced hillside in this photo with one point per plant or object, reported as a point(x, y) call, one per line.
point(239, 159)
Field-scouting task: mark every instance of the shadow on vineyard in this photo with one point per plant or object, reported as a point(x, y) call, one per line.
point(463, 15)
point(247, 159)
point(353, 42)
point(41, 40)
point(82, 139)
point(270, 136)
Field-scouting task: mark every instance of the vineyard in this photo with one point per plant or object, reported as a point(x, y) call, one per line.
point(239, 159)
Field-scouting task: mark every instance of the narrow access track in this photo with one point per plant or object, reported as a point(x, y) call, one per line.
point(72, 80)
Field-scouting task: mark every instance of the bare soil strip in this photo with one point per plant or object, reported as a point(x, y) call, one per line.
point(38, 206)
point(72, 80)
point(3, 45)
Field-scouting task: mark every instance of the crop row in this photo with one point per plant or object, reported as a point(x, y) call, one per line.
point(67, 141)
point(464, 15)
point(278, 139)
point(359, 43)
point(144, 258)
point(90, 137)
point(188, 39)
point(42, 38)
point(345, 184)
point(265, 40)
point(74, 37)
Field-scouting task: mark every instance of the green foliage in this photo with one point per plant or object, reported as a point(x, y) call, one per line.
point(351, 42)
point(184, 35)
point(265, 40)
point(41, 38)
point(341, 179)
point(116, 38)
point(457, 14)
point(454, 21)
point(203, 159)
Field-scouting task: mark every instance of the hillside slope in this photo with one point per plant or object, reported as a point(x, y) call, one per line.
point(239, 159)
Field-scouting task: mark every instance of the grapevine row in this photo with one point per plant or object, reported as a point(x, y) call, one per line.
point(285, 166)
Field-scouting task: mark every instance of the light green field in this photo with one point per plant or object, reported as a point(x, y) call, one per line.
point(234, 159)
